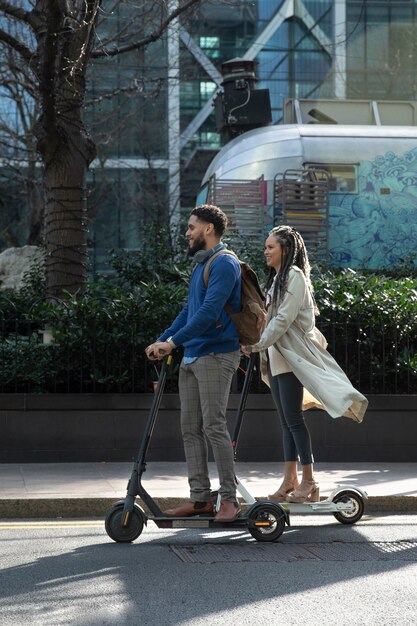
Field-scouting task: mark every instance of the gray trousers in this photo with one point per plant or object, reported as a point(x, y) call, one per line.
point(204, 387)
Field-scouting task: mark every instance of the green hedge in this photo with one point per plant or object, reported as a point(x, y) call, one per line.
point(369, 319)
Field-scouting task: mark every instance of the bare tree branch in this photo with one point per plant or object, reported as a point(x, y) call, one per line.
point(14, 43)
point(144, 16)
point(16, 12)
point(154, 36)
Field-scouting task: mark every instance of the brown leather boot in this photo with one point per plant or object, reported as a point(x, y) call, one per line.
point(191, 508)
point(229, 511)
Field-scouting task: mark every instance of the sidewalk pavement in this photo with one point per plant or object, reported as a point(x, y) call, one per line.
point(49, 490)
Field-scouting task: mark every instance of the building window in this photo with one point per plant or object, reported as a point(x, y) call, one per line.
point(210, 139)
point(210, 46)
point(207, 89)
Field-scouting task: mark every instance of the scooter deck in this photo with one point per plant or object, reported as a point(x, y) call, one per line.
point(197, 521)
point(325, 506)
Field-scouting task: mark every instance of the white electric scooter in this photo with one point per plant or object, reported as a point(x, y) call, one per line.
point(345, 502)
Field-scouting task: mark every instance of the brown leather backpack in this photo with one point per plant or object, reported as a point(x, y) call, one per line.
point(250, 320)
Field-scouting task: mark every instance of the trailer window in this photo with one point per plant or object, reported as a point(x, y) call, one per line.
point(342, 176)
point(202, 195)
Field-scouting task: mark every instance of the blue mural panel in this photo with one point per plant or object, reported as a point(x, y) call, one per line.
point(377, 226)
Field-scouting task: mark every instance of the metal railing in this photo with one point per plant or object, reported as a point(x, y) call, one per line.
point(378, 359)
point(35, 358)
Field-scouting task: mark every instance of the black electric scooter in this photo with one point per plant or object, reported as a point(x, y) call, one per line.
point(265, 520)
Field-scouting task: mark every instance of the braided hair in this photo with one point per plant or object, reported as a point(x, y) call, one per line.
point(294, 253)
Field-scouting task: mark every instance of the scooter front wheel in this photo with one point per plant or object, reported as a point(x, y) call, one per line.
point(129, 532)
point(266, 522)
point(357, 507)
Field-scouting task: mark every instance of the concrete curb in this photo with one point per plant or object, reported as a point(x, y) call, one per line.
point(52, 508)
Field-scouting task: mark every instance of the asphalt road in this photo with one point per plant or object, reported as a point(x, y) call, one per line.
point(68, 572)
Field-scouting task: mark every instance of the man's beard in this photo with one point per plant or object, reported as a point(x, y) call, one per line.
point(199, 244)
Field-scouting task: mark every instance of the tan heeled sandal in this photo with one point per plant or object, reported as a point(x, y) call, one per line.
point(282, 492)
point(307, 491)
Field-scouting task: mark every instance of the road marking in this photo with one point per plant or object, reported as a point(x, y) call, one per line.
point(51, 524)
point(369, 520)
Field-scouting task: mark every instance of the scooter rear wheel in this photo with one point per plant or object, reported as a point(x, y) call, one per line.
point(356, 500)
point(114, 526)
point(266, 522)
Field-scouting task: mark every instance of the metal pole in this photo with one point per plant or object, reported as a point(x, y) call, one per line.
point(173, 119)
point(339, 49)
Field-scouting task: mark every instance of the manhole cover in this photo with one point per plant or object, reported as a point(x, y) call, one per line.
point(276, 552)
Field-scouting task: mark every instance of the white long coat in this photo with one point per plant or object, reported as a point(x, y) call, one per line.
point(291, 329)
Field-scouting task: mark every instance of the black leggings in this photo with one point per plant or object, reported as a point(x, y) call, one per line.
point(287, 392)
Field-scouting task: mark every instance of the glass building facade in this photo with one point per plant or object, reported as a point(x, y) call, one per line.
point(381, 50)
point(156, 134)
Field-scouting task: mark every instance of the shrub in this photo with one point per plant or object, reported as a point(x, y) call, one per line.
point(369, 319)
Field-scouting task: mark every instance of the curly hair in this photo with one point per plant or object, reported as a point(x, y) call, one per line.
point(294, 253)
point(211, 215)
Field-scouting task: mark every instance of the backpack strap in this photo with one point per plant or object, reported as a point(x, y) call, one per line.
point(210, 261)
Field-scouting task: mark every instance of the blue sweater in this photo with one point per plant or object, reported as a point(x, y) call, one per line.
point(203, 326)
